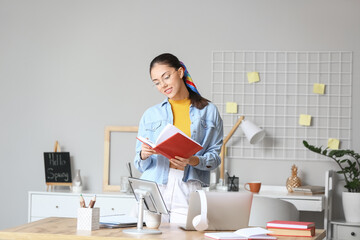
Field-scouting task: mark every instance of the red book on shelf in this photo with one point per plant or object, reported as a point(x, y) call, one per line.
point(290, 224)
point(292, 232)
point(172, 142)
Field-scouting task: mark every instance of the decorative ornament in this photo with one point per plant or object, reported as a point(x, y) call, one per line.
point(293, 181)
point(77, 183)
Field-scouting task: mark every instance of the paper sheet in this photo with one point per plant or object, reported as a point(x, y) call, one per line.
point(333, 143)
point(253, 77)
point(305, 120)
point(244, 233)
point(231, 107)
point(168, 131)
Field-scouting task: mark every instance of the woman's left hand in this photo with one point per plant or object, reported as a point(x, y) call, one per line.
point(181, 163)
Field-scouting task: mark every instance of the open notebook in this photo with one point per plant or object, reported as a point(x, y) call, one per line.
point(244, 233)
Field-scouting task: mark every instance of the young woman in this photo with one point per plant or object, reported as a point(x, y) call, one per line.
point(186, 109)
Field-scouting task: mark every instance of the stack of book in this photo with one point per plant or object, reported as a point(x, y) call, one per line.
point(291, 228)
point(309, 190)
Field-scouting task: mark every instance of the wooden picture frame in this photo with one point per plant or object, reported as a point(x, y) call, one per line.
point(107, 187)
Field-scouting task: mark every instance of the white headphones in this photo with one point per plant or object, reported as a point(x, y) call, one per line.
point(200, 222)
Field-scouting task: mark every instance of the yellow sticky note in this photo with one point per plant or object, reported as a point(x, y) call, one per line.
point(305, 120)
point(319, 88)
point(253, 77)
point(231, 107)
point(333, 143)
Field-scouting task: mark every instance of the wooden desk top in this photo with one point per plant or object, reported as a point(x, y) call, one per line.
point(65, 228)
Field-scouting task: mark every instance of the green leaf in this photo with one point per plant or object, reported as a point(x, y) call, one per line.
point(349, 167)
point(332, 153)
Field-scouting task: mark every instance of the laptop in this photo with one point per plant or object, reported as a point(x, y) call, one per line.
point(227, 211)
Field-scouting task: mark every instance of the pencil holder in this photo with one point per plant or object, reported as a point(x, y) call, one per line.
point(233, 184)
point(88, 219)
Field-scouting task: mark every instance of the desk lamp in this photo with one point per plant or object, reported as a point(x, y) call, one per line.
point(252, 132)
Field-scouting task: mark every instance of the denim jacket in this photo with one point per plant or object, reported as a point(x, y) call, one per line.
point(206, 129)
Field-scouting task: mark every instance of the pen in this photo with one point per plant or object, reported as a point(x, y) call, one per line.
point(92, 202)
point(82, 201)
point(129, 167)
point(233, 184)
point(230, 180)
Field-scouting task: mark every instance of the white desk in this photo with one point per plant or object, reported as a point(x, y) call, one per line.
point(313, 203)
point(65, 229)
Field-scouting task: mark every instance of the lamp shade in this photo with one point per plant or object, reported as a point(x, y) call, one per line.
point(252, 132)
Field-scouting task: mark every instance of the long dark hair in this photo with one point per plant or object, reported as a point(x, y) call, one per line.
point(172, 61)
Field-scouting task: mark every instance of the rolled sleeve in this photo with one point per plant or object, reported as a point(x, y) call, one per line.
point(140, 164)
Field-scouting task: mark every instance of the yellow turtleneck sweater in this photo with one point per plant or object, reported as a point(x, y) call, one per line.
point(181, 113)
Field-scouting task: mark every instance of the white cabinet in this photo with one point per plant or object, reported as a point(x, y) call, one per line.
point(337, 229)
point(65, 204)
point(342, 230)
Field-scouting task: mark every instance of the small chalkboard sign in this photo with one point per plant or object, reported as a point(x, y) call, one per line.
point(57, 168)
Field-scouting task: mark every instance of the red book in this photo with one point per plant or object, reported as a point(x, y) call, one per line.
point(172, 142)
point(290, 224)
point(292, 232)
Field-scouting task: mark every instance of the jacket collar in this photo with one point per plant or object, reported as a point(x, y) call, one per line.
point(167, 101)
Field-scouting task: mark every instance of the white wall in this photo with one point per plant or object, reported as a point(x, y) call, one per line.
point(69, 68)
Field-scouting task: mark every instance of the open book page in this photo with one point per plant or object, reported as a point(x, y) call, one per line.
point(253, 232)
point(146, 141)
point(168, 131)
point(224, 235)
point(172, 142)
point(244, 233)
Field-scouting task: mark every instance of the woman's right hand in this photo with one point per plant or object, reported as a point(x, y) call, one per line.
point(146, 151)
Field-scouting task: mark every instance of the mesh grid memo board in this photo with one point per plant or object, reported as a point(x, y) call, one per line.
point(284, 92)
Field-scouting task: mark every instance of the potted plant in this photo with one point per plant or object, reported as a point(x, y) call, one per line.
point(349, 163)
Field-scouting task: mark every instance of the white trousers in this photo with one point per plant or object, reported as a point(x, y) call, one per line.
point(176, 195)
